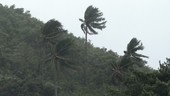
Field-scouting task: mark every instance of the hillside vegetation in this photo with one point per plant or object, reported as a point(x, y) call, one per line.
point(44, 59)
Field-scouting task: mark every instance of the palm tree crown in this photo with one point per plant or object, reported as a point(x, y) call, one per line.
point(51, 30)
point(127, 61)
point(133, 46)
point(92, 20)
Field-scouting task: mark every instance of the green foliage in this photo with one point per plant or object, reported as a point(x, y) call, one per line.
point(26, 45)
point(164, 70)
point(133, 82)
point(138, 83)
point(34, 55)
point(13, 86)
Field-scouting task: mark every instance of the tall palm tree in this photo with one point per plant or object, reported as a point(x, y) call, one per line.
point(59, 48)
point(92, 20)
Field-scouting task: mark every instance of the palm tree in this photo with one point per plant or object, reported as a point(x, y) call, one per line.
point(50, 31)
point(131, 55)
point(129, 58)
point(134, 46)
point(59, 59)
point(92, 20)
point(59, 48)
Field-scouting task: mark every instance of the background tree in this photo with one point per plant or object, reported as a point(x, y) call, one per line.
point(52, 31)
point(164, 70)
point(59, 48)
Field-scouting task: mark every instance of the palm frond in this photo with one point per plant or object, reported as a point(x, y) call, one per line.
point(117, 69)
point(95, 18)
point(91, 29)
point(59, 58)
point(87, 30)
point(93, 15)
point(69, 65)
point(139, 55)
point(132, 44)
point(83, 28)
point(90, 12)
point(51, 29)
point(50, 26)
point(99, 25)
point(48, 58)
point(92, 19)
point(50, 35)
point(138, 47)
point(63, 47)
point(81, 20)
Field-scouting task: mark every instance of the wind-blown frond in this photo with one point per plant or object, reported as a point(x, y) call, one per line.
point(81, 20)
point(92, 19)
point(133, 46)
point(63, 47)
point(91, 29)
point(138, 47)
point(51, 29)
point(98, 25)
point(140, 55)
point(51, 26)
point(83, 28)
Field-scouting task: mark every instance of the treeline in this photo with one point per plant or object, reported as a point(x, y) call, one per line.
point(43, 59)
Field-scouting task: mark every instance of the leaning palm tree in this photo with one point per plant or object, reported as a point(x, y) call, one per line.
point(129, 58)
point(131, 53)
point(92, 20)
point(134, 46)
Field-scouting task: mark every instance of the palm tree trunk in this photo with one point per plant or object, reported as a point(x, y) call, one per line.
point(56, 90)
point(86, 48)
point(57, 78)
point(84, 76)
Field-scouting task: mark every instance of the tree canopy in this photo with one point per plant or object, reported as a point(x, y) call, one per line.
point(36, 58)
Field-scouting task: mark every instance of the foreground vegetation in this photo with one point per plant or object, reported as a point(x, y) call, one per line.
point(44, 59)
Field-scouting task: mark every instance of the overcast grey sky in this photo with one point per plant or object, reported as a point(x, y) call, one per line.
point(148, 20)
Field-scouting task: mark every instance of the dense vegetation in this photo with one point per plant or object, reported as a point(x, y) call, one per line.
point(44, 59)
